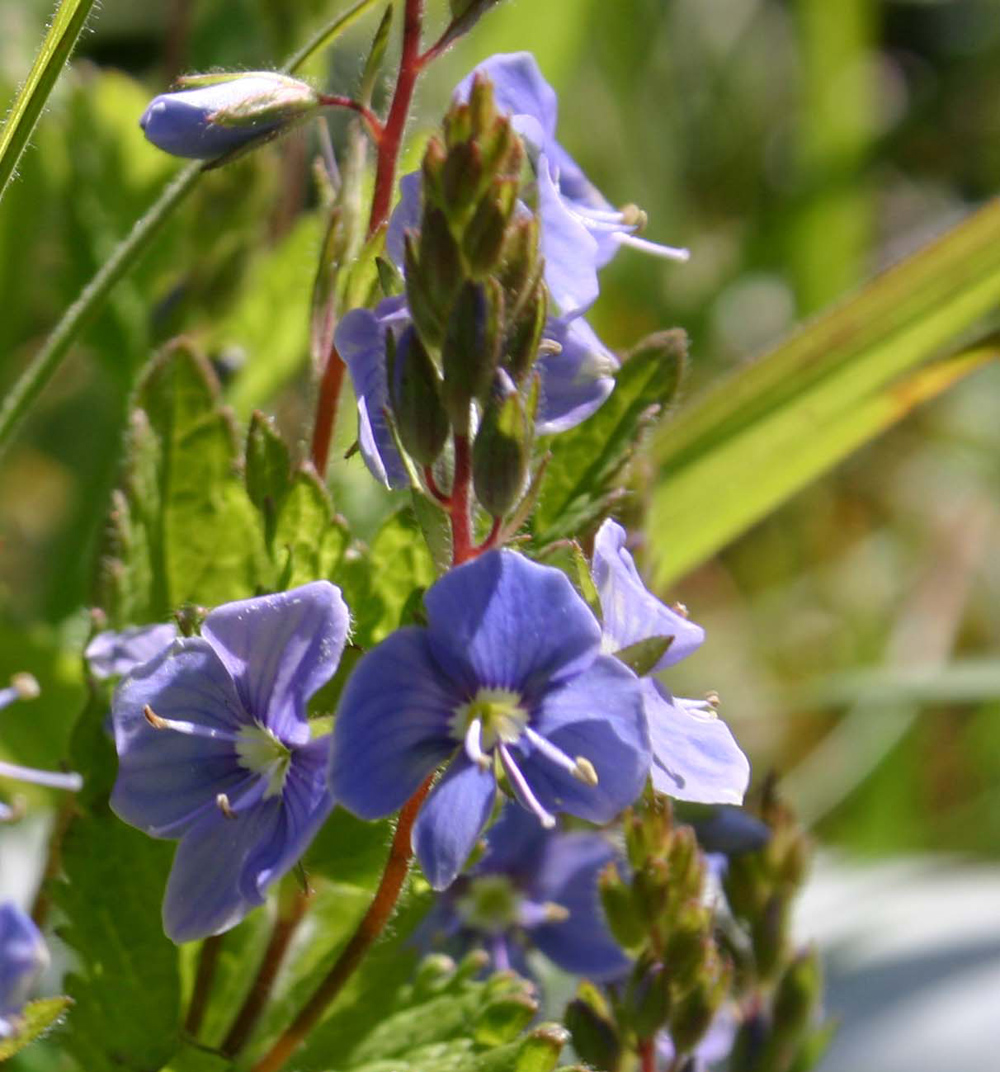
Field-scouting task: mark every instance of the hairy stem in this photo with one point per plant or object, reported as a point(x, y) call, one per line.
point(392, 134)
point(284, 930)
point(369, 929)
point(326, 410)
point(208, 960)
point(462, 548)
point(647, 1055)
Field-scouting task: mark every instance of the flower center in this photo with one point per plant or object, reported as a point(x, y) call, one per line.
point(262, 753)
point(492, 716)
point(491, 904)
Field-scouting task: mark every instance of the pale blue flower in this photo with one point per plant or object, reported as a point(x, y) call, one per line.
point(23, 957)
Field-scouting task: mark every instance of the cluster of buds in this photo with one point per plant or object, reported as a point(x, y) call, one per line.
point(780, 984)
point(658, 912)
point(478, 303)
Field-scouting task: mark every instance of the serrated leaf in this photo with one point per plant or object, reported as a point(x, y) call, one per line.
point(378, 583)
point(586, 460)
point(308, 541)
point(36, 1018)
point(268, 471)
point(436, 528)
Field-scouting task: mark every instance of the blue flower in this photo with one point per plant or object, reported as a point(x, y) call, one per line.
point(533, 888)
point(581, 230)
point(508, 673)
point(23, 957)
point(221, 113)
point(25, 687)
point(112, 654)
point(214, 749)
point(695, 757)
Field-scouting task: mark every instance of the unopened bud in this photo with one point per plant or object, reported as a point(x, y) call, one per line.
point(625, 923)
point(797, 1000)
point(594, 1036)
point(214, 114)
point(693, 1013)
point(484, 237)
point(433, 275)
point(416, 398)
point(524, 335)
point(688, 941)
point(470, 348)
point(500, 457)
point(650, 1000)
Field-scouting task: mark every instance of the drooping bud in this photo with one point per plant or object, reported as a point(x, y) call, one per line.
point(501, 453)
point(416, 397)
point(214, 114)
point(470, 348)
point(594, 1036)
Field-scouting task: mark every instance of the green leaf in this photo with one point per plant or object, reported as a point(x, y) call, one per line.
point(268, 471)
point(379, 584)
point(308, 541)
point(587, 460)
point(204, 535)
point(643, 655)
point(774, 427)
point(36, 1018)
point(350, 850)
point(56, 48)
point(127, 986)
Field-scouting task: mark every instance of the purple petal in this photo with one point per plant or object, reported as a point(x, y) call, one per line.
point(23, 956)
point(405, 217)
point(451, 819)
point(631, 612)
point(515, 844)
point(167, 778)
point(361, 339)
point(695, 756)
point(279, 650)
point(569, 248)
point(207, 892)
point(518, 89)
point(392, 727)
point(582, 944)
point(179, 123)
point(597, 715)
point(577, 380)
point(112, 654)
point(504, 621)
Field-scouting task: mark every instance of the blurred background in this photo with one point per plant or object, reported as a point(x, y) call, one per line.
point(796, 146)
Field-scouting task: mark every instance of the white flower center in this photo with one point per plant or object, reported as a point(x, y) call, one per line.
point(500, 716)
point(262, 753)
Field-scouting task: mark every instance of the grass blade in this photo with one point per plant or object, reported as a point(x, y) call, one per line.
point(59, 41)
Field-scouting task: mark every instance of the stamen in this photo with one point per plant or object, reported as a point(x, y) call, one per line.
point(50, 779)
point(532, 914)
point(680, 608)
point(222, 803)
point(26, 686)
point(522, 790)
point(192, 729)
point(474, 745)
point(581, 769)
point(668, 253)
point(549, 348)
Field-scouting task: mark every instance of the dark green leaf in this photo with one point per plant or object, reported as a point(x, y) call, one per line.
point(268, 471)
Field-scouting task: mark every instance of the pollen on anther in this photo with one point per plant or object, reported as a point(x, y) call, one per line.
point(222, 803)
point(154, 719)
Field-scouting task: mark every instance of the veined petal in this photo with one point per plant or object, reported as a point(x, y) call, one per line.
point(166, 778)
point(516, 843)
point(570, 250)
point(452, 817)
point(393, 725)
point(112, 654)
point(503, 621)
point(518, 88)
point(361, 339)
point(575, 381)
point(695, 756)
point(582, 944)
point(206, 892)
point(279, 650)
point(631, 612)
point(598, 715)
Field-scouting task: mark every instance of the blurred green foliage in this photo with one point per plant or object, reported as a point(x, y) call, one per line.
point(795, 145)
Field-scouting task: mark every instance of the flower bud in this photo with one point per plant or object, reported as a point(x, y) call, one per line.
point(484, 237)
point(416, 398)
point(215, 114)
point(628, 928)
point(500, 453)
point(525, 332)
point(797, 1000)
point(693, 1013)
point(649, 1001)
point(594, 1036)
point(433, 274)
point(471, 347)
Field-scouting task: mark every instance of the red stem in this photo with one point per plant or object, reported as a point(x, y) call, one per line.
point(372, 121)
point(392, 133)
point(432, 487)
point(369, 929)
point(326, 410)
point(260, 991)
point(208, 960)
point(462, 548)
point(647, 1055)
point(492, 538)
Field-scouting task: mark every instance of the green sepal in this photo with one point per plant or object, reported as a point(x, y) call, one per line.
point(642, 656)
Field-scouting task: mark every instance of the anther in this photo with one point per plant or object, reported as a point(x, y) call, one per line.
point(154, 719)
point(555, 913)
point(549, 348)
point(25, 686)
point(584, 771)
point(712, 698)
point(679, 608)
point(222, 803)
